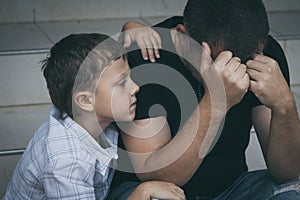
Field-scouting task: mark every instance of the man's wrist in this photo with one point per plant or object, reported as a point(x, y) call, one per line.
point(285, 108)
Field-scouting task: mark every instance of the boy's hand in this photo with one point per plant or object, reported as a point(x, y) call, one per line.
point(157, 190)
point(146, 38)
point(165, 190)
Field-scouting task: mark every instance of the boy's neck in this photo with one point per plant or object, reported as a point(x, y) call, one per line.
point(94, 127)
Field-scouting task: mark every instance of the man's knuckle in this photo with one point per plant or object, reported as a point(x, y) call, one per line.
point(269, 69)
point(273, 62)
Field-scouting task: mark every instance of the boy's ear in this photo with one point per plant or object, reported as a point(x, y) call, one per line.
point(84, 100)
point(181, 28)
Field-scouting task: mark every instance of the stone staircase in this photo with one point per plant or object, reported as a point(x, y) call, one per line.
point(28, 28)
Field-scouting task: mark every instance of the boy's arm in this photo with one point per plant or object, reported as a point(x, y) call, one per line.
point(68, 178)
point(146, 38)
point(156, 157)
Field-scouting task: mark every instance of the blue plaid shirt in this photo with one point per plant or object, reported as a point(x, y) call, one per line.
point(63, 161)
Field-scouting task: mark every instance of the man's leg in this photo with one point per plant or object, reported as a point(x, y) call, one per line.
point(260, 185)
point(123, 191)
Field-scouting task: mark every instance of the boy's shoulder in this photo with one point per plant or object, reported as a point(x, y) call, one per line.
point(64, 138)
point(58, 147)
point(67, 139)
point(56, 139)
point(61, 139)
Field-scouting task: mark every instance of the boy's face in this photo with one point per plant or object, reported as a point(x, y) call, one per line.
point(115, 93)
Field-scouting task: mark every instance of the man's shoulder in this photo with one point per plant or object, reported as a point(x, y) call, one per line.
point(274, 50)
point(271, 44)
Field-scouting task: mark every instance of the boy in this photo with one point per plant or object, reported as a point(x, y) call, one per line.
point(73, 153)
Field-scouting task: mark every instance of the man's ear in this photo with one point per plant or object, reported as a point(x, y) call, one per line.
point(84, 100)
point(181, 28)
point(182, 40)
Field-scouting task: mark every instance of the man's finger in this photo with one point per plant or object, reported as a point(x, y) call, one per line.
point(254, 74)
point(223, 58)
point(241, 71)
point(256, 65)
point(253, 86)
point(264, 59)
point(233, 64)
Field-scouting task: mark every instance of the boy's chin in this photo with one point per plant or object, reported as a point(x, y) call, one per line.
point(132, 116)
point(129, 117)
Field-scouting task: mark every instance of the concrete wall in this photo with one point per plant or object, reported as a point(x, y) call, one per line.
point(57, 10)
point(17, 11)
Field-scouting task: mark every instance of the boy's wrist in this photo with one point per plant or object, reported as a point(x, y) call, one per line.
point(132, 25)
point(144, 191)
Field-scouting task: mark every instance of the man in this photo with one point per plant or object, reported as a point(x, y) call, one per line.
point(255, 79)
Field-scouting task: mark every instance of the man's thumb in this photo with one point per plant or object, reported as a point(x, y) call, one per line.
point(206, 59)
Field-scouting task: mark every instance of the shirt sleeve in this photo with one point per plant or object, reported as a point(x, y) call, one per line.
point(68, 178)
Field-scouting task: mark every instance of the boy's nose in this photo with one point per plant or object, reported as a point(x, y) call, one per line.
point(135, 88)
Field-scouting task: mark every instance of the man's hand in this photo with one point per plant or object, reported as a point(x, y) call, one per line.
point(226, 78)
point(268, 83)
point(278, 130)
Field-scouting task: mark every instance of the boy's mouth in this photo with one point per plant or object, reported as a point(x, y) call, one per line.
point(133, 104)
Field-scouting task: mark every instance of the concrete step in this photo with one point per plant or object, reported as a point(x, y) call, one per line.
point(22, 81)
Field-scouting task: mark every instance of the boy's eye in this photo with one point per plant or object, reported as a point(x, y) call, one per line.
point(122, 82)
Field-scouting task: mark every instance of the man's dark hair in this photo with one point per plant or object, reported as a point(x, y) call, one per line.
point(75, 63)
point(236, 25)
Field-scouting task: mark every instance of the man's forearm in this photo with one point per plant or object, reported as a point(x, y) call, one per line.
point(183, 151)
point(284, 144)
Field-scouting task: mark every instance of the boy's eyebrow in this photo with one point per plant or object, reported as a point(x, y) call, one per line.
point(124, 74)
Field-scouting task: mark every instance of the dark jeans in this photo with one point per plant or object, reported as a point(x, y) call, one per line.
point(256, 185)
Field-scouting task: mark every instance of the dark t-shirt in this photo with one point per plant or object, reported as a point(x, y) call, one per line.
point(226, 161)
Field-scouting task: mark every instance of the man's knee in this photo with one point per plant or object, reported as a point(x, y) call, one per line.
point(287, 191)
